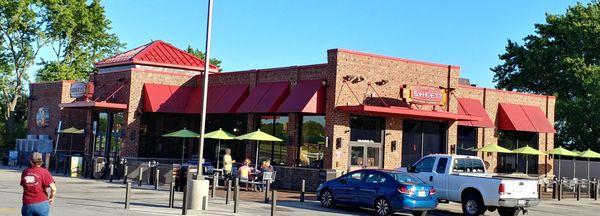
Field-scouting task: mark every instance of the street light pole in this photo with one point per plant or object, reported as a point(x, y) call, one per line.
point(205, 89)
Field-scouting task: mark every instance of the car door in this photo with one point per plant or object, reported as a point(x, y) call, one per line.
point(440, 176)
point(369, 189)
point(424, 169)
point(345, 191)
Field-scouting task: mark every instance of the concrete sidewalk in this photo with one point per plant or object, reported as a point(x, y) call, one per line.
point(97, 197)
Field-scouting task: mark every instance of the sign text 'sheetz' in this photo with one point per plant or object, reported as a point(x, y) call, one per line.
point(425, 95)
point(78, 89)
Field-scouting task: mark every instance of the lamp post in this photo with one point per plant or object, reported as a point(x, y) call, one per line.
point(205, 89)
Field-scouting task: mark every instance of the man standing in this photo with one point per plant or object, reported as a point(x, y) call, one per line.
point(34, 181)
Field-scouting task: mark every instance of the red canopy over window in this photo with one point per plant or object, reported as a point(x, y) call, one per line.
point(233, 96)
point(182, 99)
point(307, 97)
point(265, 98)
point(523, 118)
point(473, 107)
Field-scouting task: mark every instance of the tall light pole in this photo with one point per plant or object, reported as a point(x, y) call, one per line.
point(205, 89)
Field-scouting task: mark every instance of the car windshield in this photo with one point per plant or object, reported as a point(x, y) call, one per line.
point(406, 178)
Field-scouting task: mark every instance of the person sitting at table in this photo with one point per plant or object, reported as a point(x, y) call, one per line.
point(244, 172)
point(265, 167)
point(227, 165)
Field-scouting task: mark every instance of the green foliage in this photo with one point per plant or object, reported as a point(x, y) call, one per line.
point(80, 36)
point(200, 55)
point(563, 59)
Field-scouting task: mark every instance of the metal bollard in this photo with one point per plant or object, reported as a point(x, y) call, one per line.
point(577, 190)
point(273, 202)
point(215, 182)
point(559, 192)
point(539, 189)
point(140, 176)
point(111, 172)
point(156, 179)
point(554, 190)
point(125, 175)
point(302, 190)
point(227, 192)
point(171, 194)
point(267, 191)
point(597, 189)
point(184, 205)
point(127, 195)
point(236, 196)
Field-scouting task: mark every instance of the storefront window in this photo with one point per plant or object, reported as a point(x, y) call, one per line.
point(312, 145)
point(274, 151)
point(366, 129)
point(467, 140)
point(510, 163)
point(421, 138)
point(356, 155)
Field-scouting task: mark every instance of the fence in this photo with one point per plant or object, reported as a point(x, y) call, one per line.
point(580, 167)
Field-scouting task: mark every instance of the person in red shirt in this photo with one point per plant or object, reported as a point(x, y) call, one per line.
point(35, 180)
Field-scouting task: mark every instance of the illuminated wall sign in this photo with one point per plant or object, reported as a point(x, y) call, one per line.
point(424, 95)
point(78, 89)
point(42, 118)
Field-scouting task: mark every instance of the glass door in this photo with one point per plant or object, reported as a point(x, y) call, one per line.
point(421, 138)
point(366, 148)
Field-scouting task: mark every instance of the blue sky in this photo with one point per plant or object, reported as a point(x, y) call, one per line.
point(261, 34)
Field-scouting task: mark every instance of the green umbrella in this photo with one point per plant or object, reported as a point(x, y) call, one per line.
point(493, 148)
point(527, 151)
point(258, 136)
point(219, 135)
point(70, 130)
point(183, 133)
point(560, 151)
point(589, 154)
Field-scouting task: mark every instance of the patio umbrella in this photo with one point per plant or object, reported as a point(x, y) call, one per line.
point(575, 162)
point(219, 135)
point(183, 133)
point(560, 151)
point(70, 130)
point(493, 148)
point(589, 154)
point(527, 151)
point(258, 136)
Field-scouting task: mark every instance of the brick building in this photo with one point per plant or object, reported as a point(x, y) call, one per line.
point(356, 110)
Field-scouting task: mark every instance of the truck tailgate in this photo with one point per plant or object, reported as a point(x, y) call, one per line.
point(519, 189)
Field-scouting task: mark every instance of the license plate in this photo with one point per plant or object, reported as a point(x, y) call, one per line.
point(421, 193)
point(521, 202)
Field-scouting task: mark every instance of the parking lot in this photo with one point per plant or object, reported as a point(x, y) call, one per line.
point(86, 197)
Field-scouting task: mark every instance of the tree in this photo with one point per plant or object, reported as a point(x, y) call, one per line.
point(80, 36)
point(562, 58)
point(21, 37)
point(200, 55)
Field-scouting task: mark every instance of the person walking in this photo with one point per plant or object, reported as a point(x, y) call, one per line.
point(35, 180)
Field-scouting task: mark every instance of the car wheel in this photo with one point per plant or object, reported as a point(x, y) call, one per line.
point(327, 199)
point(472, 205)
point(383, 207)
point(419, 213)
point(508, 211)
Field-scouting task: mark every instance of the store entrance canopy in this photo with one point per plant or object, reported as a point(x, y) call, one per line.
point(473, 107)
point(517, 117)
point(97, 105)
point(405, 112)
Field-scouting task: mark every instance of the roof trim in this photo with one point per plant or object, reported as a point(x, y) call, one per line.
point(456, 67)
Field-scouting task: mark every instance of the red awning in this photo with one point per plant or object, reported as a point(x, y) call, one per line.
point(166, 98)
point(230, 101)
point(538, 119)
point(265, 98)
point(307, 97)
point(405, 112)
point(473, 107)
point(100, 105)
point(517, 117)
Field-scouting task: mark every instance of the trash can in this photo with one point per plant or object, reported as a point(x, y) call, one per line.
point(326, 175)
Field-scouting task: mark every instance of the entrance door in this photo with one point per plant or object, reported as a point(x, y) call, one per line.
point(366, 148)
point(421, 138)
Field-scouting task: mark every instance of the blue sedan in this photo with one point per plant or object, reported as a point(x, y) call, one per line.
point(383, 190)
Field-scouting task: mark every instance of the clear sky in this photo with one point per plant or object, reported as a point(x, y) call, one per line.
point(271, 33)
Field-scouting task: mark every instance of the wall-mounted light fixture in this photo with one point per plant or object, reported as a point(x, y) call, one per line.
point(382, 82)
point(349, 77)
point(452, 149)
point(358, 79)
point(394, 146)
point(338, 143)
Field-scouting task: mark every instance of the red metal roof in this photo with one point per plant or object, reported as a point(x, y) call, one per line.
point(473, 107)
point(538, 119)
point(405, 112)
point(265, 98)
point(307, 97)
point(156, 53)
point(512, 117)
point(231, 100)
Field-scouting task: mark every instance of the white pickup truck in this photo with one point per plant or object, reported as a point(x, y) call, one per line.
point(462, 179)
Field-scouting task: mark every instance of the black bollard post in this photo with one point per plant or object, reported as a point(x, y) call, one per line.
point(273, 202)
point(171, 194)
point(236, 196)
point(559, 192)
point(125, 175)
point(267, 190)
point(156, 178)
point(597, 189)
point(577, 190)
point(184, 205)
point(227, 192)
point(127, 195)
point(554, 190)
point(302, 190)
point(140, 176)
point(111, 172)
